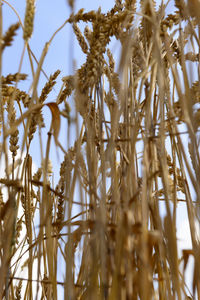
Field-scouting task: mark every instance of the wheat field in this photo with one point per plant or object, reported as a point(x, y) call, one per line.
point(106, 226)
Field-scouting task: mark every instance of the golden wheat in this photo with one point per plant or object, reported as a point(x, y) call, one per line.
point(109, 222)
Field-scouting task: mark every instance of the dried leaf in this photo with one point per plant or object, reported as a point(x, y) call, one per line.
point(185, 257)
point(55, 119)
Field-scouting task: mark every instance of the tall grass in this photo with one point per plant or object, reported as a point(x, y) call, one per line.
point(109, 224)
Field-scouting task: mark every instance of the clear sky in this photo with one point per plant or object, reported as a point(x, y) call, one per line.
point(49, 16)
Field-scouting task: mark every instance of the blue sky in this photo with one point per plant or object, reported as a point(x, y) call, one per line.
point(49, 16)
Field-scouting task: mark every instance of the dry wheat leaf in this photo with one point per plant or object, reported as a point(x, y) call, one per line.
point(185, 257)
point(55, 119)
